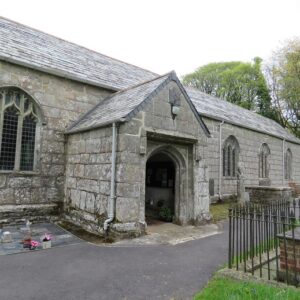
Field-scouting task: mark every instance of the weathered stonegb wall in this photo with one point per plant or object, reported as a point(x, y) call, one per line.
point(250, 143)
point(88, 172)
point(31, 194)
point(150, 131)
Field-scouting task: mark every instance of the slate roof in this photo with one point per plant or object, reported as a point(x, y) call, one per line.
point(29, 47)
point(125, 104)
point(32, 48)
point(218, 109)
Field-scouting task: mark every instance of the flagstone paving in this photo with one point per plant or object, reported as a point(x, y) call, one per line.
point(60, 237)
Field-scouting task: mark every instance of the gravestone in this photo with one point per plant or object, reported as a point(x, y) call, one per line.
point(242, 195)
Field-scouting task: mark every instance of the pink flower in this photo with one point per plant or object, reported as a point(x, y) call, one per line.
point(34, 244)
point(47, 237)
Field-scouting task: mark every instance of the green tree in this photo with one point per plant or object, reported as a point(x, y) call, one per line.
point(237, 82)
point(283, 77)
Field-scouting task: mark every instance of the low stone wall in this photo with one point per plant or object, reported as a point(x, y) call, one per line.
point(18, 214)
point(268, 194)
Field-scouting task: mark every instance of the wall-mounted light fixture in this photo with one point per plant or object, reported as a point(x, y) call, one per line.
point(175, 110)
point(174, 100)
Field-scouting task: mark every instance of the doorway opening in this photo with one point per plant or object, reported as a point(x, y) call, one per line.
point(160, 189)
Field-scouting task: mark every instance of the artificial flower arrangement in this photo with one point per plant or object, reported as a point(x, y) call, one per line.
point(47, 237)
point(30, 244)
point(34, 245)
point(46, 240)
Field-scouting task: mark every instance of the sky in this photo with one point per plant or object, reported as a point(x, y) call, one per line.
point(165, 35)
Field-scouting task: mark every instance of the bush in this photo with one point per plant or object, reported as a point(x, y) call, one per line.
point(165, 214)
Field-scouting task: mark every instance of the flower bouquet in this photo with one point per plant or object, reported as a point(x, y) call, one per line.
point(30, 244)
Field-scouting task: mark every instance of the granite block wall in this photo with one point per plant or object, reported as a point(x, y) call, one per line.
point(250, 142)
point(61, 101)
point(152, 130)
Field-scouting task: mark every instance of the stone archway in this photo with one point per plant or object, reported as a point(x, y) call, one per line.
point(160, 188)
point(166, 183)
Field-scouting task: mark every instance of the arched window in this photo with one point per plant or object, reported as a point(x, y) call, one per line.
point(288, 164)
point(19, 117)
point(230, 156)
point(263, 161)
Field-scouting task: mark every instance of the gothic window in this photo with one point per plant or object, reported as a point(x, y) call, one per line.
point(230, 156)
point(264, 161)
point(288, 164)
point(18, 127)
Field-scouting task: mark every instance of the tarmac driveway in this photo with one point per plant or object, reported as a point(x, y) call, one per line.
point(86, 271)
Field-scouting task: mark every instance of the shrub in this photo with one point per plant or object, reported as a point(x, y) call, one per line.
point(165, 214)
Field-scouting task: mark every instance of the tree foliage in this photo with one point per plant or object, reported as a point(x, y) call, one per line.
point(237, 82)
point(283, 77)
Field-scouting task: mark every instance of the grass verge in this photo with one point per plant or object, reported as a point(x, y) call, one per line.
point(221, 288)
point(219, 211)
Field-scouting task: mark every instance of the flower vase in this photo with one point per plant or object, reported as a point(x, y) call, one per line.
point(46, 244)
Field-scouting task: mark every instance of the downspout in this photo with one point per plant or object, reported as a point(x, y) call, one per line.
point(111, 200)
point(283, 163)
point(220, 161)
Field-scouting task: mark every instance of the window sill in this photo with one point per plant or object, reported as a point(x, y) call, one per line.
point(4, 172)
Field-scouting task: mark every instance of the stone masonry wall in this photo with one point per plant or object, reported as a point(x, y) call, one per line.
point(183, 138)
point(61, 102)
point(88, 172)
point(250, 143)
point(88, 167)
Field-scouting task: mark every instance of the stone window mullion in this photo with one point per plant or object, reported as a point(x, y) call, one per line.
point(19, 135)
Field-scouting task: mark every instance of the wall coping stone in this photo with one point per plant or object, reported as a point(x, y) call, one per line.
point(270, 188)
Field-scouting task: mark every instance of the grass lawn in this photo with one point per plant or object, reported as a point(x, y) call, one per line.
point(219, 211)
point(222, 288)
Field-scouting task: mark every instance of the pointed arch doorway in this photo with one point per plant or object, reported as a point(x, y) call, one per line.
point(160, 188)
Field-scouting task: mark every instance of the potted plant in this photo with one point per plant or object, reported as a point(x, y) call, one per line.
point(46, 241)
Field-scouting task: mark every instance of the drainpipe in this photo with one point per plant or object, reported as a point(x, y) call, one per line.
point(111, 203)
point(283, 164)
point(220, 161)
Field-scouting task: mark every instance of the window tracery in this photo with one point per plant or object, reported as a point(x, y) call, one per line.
point(18, 125)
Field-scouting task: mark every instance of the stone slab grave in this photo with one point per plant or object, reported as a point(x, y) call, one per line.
point(60, 237)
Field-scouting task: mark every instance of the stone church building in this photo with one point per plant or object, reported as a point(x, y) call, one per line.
point(105, 144)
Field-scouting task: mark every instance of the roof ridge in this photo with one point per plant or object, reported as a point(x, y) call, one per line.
point(142, 83)
point(73, 43)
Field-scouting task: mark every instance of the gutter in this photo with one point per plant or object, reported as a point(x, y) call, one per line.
point(111, 200)
point(220, 160)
